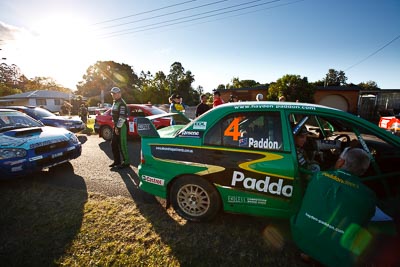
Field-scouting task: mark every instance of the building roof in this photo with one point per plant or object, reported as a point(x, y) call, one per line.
point(38, 94)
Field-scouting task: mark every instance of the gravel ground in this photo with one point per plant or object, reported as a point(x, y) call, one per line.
point(90, 172)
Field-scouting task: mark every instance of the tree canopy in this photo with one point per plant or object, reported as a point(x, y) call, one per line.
point(293, 88)
point(156, 88)
point(12, 81)
point(142, 88)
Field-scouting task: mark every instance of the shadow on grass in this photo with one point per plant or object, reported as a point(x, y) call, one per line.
point(229, 240)
point(31, 210)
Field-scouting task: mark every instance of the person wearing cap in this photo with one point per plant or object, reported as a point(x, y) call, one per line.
point(119, 144)
point(336, 207)
point(217, 99)
point(176, 105)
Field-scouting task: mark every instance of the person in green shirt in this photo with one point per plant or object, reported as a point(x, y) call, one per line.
point(329, 226)
point(119, 146)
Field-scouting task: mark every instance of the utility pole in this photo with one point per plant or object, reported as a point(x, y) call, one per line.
point(3, 58)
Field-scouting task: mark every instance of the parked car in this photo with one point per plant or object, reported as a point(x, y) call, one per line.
point(27, 146)
point(391, 123)
point(241, 158)
point(73, 124)
point(103, 123)
point(97, 110)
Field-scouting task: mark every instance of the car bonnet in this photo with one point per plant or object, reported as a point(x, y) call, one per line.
point(29, 139)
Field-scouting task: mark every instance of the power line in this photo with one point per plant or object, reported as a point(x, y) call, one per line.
point(135, 29)
point(374, 53)
point(144, 12)
point(182, 18)
point(167, 14)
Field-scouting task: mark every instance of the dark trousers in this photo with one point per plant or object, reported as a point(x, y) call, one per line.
point(119, 146)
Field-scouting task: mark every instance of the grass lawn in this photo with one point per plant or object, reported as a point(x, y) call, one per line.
point(46, 225)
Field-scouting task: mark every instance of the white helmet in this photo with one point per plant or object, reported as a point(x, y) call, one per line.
point(259, 97)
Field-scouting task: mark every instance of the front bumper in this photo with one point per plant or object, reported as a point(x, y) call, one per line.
point(10, 168)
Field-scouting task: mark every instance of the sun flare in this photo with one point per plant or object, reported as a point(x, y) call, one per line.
point(60, 46)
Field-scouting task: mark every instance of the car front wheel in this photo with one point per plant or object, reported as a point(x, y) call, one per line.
point(106, 133)
point(195, 199)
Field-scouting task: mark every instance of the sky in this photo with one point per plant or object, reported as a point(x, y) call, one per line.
point(217, 40)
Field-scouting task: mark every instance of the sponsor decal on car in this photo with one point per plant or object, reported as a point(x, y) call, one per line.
point(174, 149)
point(35, 158)
point(11, 163)
point(195, 134)
point(11, 141)
point(16, 169)
point(131, 126)
point(246, 200)
point(267, 144)
point(47, 142)
point(144, 126)
point(275, 188)
point(200, 125)
point(153, 180)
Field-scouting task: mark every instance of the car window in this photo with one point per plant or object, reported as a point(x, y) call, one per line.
point(256, 130)
point(156, 111)
point(15, 120)
point(137, 112)
point(40, 113)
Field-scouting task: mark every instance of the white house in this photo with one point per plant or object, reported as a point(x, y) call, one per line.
point(51, 100)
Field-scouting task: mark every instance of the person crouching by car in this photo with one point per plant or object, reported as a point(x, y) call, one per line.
point(119, 144)
point(336, 208)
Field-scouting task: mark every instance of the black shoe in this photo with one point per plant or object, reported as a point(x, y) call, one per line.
point(114, 164)
point(123, 166)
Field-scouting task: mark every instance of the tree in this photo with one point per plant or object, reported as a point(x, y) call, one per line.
point(293, 88)
point(180, 82)
point(369, 85)
point(221, 87)
point(5, 90)
point(14, 82)
point(335, 78)
point(10, 75)
point(104, 75)
point(237, 83)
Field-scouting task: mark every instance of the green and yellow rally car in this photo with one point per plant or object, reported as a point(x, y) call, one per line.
point(241, 158)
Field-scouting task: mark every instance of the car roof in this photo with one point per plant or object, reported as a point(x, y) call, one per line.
point(8, 110)
point(276, 104)
point(141, 105)
point(20, 107)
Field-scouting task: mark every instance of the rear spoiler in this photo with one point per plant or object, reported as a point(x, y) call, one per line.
point(145, 128)
point(178, 117)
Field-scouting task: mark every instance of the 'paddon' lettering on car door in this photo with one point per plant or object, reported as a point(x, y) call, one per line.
point(265, 185)
point(231, 167)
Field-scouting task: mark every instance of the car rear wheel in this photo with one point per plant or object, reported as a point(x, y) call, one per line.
point(195, 199)
point(106, 132)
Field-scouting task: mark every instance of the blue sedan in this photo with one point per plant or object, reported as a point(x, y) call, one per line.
point(72, 124)
point(27, 146)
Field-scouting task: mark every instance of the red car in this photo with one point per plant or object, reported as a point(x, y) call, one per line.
point(103, 123)
point(391, 123)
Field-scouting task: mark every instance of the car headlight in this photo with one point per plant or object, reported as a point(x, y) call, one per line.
point(73, 139)
point(8, 153)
